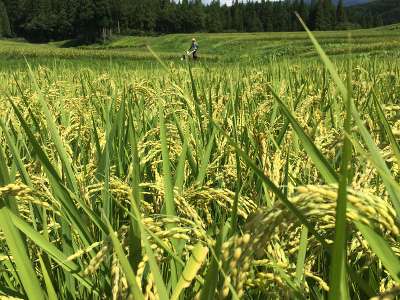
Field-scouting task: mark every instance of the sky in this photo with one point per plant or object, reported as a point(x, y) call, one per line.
point(222, 1)
point(229, 2)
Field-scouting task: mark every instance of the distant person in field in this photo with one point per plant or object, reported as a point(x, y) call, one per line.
point(193, 48)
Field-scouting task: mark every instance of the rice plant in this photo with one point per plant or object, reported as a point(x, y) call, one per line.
point(209, 181)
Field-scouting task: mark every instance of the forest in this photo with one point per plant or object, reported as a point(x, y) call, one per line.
point(95, 20)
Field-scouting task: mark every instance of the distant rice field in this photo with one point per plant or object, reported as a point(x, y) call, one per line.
point(220, 47)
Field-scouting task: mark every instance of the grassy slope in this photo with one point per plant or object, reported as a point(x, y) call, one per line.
point(227, 46)
point(256, 44)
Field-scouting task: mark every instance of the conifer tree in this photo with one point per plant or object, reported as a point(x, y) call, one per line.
point(86, 26)
point(267, 15)
point(303, 12)
point(340, 13)
point(214, 17)
point(329, 14)
point(237, 16)
point(15, 12)
point(198, 17)
point(5, 29)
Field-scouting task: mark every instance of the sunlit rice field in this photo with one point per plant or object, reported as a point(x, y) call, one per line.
point(208, 180)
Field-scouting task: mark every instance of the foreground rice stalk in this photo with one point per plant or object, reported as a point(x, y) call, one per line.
point(211, 183)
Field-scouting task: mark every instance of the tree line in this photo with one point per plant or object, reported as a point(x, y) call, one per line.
point(92, 20)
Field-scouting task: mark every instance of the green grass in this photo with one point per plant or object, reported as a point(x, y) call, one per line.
point(223, 47)
point(236, 177)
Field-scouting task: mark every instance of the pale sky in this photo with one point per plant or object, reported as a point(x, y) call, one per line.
point(229, 2)
point(222, 1)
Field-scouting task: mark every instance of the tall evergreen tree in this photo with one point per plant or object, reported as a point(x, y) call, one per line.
point(237, 16)
point(340, 13)
point(226, 17)
point(303, 11)
point(329, 14)
point(167, 19)
point(267, 15)
point(5, 29)
point(41, 21)
point(86, 25)
point(322, 16)
point(103, 18)
point(251, 20)
point(214, 17)
point(198, 16)
point(16, 14)
point(281, 17)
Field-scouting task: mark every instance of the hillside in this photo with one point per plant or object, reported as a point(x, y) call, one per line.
point(348, 2)
point(395, 27)
point(386, 10)
point(228, 47)
point(353, 2)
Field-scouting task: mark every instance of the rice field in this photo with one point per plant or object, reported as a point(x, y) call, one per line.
point(208, 180)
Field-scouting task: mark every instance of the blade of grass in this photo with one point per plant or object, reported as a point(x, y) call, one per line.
point(162, 290)
point(135, 247)
point(205, 160)
point(168, 187)
point(388, 130)
point(180, 169)
point(212, 276)
point(327, 62)
point(382, 250)
point(52, 294)
point(301, 256)
point(338, 276)
point(18, 251)
point(125, 265)
point(45, 245)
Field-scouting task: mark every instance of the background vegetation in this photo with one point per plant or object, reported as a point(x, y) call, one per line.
point(220, 47)
point(92, 20)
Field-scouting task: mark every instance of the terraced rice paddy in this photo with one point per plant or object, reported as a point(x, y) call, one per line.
point(214, 180)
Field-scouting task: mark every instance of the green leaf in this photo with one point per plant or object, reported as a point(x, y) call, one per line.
point(388, 130)
point(45, 245)
point(205, 160)
point(162, 290)
point(301, 256)
point(180, 169)
point(52, 294)
point(126, 268)
point(381, 248)
point(18, 251)
point(328, 63)
point(339, 288)
point(167, 178)
point(135, 247)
